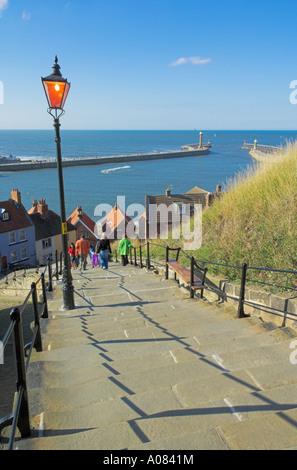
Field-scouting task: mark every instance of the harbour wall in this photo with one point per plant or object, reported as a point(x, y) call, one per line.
point(25, 166)
point(263, 157)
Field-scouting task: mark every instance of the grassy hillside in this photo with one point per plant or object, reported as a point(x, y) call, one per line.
point(255, 221)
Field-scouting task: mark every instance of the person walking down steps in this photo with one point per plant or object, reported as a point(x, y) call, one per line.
point(103, 248)
point(82, 249)
point(71, 252)
point(124, 249)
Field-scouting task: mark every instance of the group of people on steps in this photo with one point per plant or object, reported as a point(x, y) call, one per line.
point(99, 255)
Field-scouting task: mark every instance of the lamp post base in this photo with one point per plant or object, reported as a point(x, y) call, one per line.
point(68, 297)
point(67, 288)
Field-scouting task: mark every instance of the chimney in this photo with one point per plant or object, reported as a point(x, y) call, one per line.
point(43, 208)
point(218, 188)
point(16, 196)
point(79, 212)
point(168, 192)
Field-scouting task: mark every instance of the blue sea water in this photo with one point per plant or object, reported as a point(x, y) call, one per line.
point(90, 186)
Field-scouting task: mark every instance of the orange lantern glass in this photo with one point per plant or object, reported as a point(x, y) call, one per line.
point(56, 88)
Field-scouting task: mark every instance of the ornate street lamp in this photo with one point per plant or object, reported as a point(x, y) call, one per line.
point(56, 90)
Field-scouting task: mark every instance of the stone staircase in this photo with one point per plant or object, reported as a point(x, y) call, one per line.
point(138, 365)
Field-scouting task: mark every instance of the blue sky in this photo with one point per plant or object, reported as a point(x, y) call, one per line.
point(151, 64)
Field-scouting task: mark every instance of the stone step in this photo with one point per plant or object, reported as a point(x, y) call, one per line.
point(276, 431)
point(113, 437)
point(61, 327)
point(206, 439)
point(263, 355)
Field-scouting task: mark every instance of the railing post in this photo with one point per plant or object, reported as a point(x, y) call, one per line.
point(131, 257)
point(240, 313)
point(140, 256)
point(57, 265)
point(45, 309)
point(192, 277)
point(148, 261)
point(50, 283)
point(37, 343)
point(24, 416)
point(166, 261)
point(135, 260)
point(61, 263)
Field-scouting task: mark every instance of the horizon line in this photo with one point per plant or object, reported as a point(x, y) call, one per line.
point(157, 130)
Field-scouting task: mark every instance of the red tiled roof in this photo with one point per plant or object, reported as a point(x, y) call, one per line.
point(18, 218)
point(74, 218)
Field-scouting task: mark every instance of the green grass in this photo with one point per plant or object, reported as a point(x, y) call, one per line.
point(254, 222)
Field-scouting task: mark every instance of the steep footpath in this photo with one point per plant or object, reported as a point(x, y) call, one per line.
point(138, 365)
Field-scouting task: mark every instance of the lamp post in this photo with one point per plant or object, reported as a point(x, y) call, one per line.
point(56, 89)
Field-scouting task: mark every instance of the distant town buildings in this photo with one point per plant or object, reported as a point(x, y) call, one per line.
point(17, 234)
point(48, 229)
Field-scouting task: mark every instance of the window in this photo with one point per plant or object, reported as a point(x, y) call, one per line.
point(12, 237)
point(14, 256)
point(24, 253)
point(46, 243)
point(5, 216)
point(22, 234)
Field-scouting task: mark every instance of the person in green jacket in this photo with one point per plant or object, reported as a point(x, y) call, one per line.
point(124, 249)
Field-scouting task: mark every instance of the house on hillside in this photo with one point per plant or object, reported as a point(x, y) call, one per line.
point(115, 224)
point(84, 225)
point(48, 231)
point(164, 212)
point(17, 234)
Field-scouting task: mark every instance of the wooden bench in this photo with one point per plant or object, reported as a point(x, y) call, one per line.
point(187, 275)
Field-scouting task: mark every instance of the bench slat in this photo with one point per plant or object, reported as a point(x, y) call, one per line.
point(185, 274)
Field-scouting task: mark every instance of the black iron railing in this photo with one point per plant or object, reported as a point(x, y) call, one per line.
point(20, 416)
point(198, 263)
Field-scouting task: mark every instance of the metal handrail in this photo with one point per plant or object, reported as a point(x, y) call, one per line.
point(244, 268)
point(228, 265)
point(20, 417)
point(273, 270)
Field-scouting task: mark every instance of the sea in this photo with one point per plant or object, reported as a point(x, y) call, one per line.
point(90, 186)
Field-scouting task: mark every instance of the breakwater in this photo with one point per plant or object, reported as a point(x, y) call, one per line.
point(262, 153)
point(41, 165)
